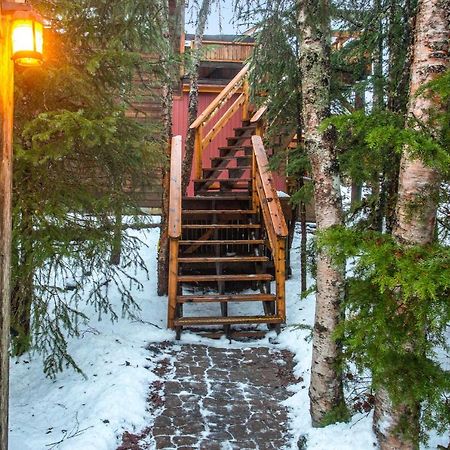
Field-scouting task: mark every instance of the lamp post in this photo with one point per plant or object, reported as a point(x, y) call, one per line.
point(21, 41)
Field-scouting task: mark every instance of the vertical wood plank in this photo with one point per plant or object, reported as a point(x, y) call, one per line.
point(175, 207)
point(173, 282)
point(245, 107)
point(6, 127)
point(280, 277)
point(198, 152)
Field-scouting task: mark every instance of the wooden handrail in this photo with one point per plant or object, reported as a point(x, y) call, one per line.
point(215, 130)
point(278, 222)
point(228, 91)
point(258, 114)
point(266, 198)
point(201, 142)
point(273, 217)
point(175, 195)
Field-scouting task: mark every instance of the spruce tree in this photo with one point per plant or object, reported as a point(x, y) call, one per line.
point(76, 153)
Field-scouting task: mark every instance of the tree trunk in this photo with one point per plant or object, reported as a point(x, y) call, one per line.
point(326, 394)
point(163, 247)
point(22, 291)
point(378, 78)
point(356, 188)
point(193, 93)
point(167, 104)
point(116, 248)
point(417, 194)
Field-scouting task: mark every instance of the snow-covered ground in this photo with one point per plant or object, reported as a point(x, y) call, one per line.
point(77, 413)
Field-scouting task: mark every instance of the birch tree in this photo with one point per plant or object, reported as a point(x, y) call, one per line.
point(326, 393)
point(418, 191)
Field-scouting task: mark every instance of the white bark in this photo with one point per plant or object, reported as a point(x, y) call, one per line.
point(326, 384)
point(417, 196)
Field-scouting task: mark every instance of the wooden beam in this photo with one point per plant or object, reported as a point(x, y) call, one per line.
point(6, 129)
point(258, 114)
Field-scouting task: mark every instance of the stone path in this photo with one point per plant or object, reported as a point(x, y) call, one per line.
point(217, 399)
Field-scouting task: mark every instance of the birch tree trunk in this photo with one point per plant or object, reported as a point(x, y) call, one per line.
point(417, 193)
point(193, 92)
point(326, 394)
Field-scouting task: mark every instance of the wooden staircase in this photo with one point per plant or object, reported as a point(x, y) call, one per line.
point(228, 241)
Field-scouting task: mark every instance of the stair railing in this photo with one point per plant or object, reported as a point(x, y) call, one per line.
point(266, 198)
point(174, 228)
point(238, 83)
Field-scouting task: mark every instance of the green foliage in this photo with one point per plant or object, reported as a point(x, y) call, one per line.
point(367, 141)
point(339, 413)
point(76, 155)
point(397, 313)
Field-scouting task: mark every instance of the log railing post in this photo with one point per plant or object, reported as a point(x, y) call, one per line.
point(198, 152)
point(255, 205)
point(175, 199)
point(246, 105)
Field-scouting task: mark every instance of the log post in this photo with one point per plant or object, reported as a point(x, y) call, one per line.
point(6, 129)
point(198, 152)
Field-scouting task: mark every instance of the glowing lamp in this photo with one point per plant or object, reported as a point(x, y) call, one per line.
point(27, 38)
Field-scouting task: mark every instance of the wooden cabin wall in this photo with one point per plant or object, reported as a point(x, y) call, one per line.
point(227, 51)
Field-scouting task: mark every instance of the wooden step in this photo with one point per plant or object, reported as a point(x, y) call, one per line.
point(246, 128)
point(239, 140)
point(224, 169)
point(223, 180)
point(240, 277)
point(230, 320)
point(226, 150)
point(215, 196)
point(228, 226)
point(236, 147)
point(219, 212)
point(217, 298)
point(240, 160)
point(222, 259)
point(226, 242)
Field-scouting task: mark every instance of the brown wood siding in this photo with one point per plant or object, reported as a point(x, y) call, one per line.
point(227, 51)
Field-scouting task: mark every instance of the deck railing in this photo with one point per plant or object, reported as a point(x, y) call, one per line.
point(175, 200)
point(238, 84)
point(266, 198)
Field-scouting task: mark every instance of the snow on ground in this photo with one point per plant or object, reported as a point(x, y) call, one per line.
point(77, 413)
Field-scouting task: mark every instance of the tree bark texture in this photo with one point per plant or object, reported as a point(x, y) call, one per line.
point(163, 246)
point(418, 185)
point(22, 290)
point(378, 78)
point(326, 384)
point(6, 128)
point(167, 103)
point(193, 93)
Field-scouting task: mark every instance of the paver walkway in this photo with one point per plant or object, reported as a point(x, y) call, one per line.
point(217, 399)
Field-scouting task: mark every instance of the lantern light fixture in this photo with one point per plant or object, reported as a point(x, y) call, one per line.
point(27, 38)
